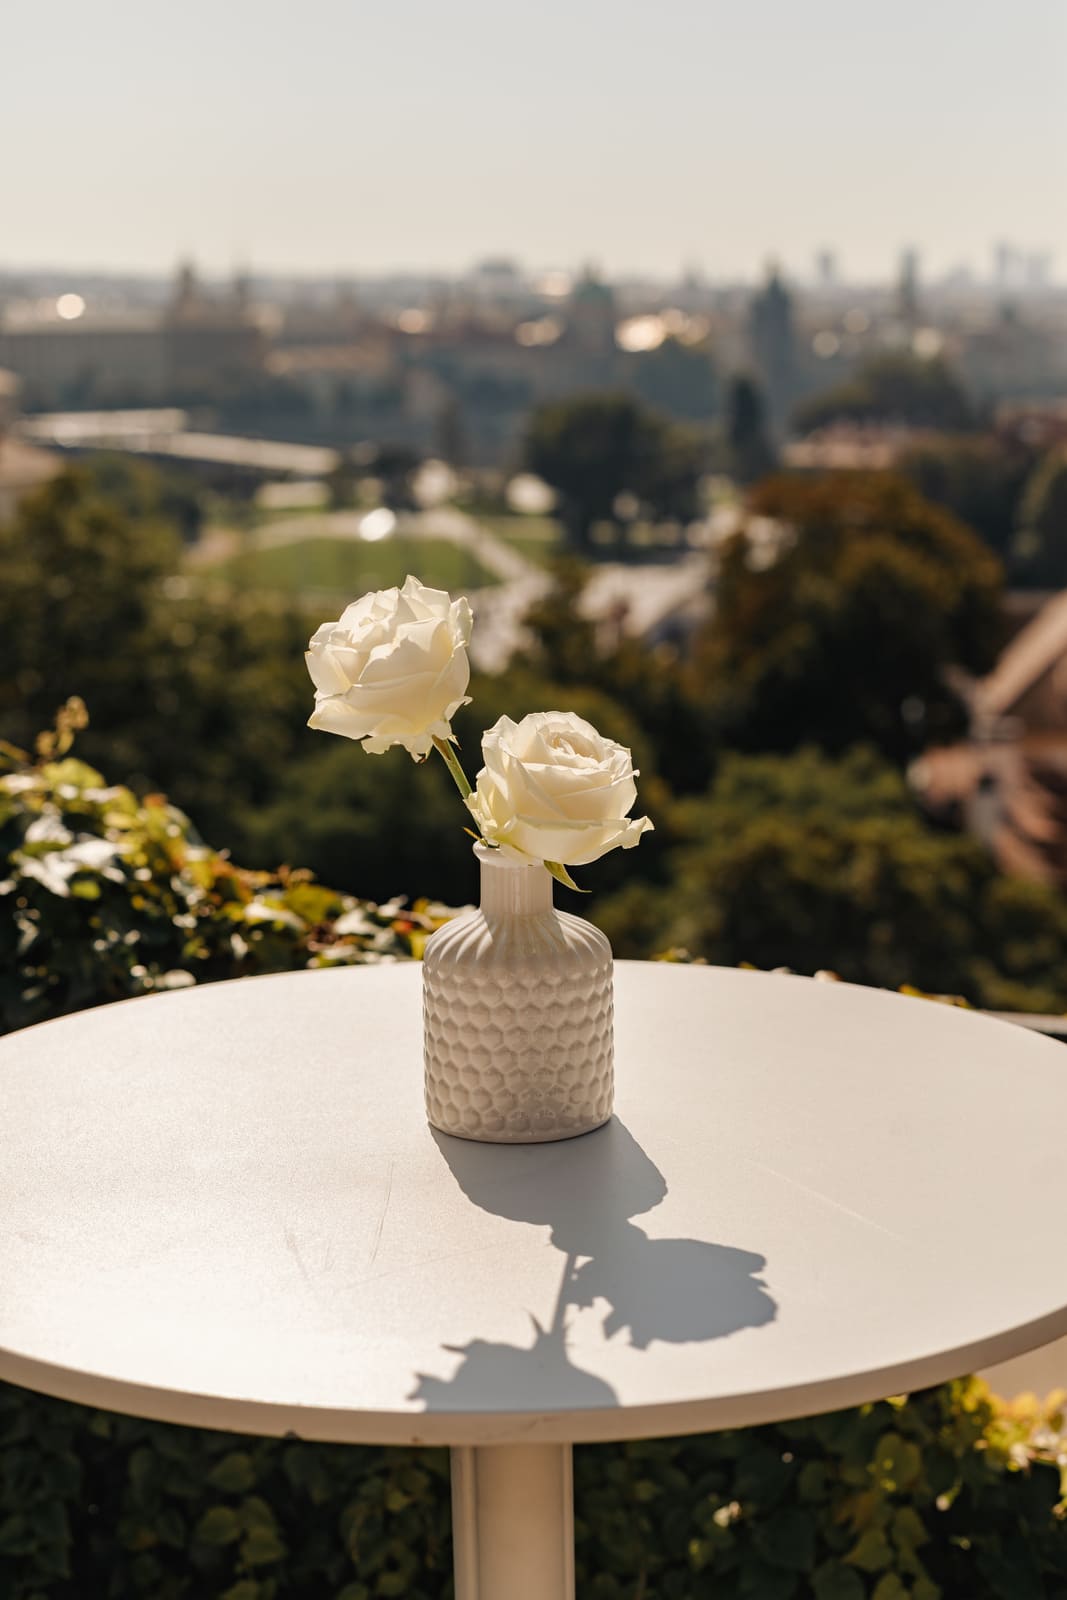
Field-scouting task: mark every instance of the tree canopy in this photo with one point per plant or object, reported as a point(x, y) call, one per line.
point(813, 862)
point(893, 386)
point(595, 448)
point(840, 607)
point(749, 451)
point(204, 698)
point(977, 478)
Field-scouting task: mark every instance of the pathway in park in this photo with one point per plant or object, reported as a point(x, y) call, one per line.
point(636, 597)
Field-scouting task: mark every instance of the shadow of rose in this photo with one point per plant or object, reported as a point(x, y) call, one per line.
point(586, 1191)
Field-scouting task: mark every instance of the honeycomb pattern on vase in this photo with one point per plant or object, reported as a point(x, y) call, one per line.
point(518, 1028)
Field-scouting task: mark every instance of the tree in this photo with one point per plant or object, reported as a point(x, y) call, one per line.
point(594, 448)
point(808, 862)
point(395, 465)
point(749, 452)
point(78, 580)
point(564, 649)
point(979, 479)
point(1040, 549)
point(839, 609)
point(207, 700)
point(163, 494)
point(893, 386)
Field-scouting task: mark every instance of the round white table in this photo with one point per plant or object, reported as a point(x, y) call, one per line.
point(223, 1207)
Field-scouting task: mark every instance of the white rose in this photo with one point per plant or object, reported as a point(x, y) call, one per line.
point(393, 669)
point(554, 789)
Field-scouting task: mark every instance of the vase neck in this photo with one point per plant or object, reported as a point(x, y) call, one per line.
point(512, 888)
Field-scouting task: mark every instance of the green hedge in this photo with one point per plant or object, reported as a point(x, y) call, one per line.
point(936, 1496)
point(942, 1495)
point(104, 896)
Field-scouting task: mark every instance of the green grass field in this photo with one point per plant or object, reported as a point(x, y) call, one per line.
point(536, 538)
point(347, 567)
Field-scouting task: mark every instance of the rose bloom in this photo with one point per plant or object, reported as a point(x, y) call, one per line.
point(393, 669)
point(554, 789)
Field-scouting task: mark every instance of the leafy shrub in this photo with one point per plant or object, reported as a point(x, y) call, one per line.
point(938, 1497)
point(104, 896)
point(809, 862)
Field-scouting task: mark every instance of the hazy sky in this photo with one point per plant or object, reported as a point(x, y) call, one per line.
point(341, 135)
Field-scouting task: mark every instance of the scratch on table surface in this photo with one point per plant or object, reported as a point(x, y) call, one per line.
point(381, 1219)
point(294, 1251)
point(828, 1200)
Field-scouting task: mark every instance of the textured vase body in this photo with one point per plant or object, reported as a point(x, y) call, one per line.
point(517, 1014)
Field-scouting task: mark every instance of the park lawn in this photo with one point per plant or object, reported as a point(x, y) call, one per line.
point(349, 567)
point(536, 538)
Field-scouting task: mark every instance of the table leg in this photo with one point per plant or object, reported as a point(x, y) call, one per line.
point(513, 1522)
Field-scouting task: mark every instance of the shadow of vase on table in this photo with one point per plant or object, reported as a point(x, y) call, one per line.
point(586, 1191)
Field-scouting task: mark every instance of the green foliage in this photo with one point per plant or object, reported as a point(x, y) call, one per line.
point(1040, 551)
point(389, 825)
point(935, 1497)
point(839, 610)
point(893, 386)
point(104, 896)
point(108, 1507)
point(76, 579)
point(749, 452)
point(594, 448)
point(140, 491)
point(980, 480)
point(206, 700)
point(810, 863)
point(663, 715)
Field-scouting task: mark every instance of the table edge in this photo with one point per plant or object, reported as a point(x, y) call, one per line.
point(332, 1425)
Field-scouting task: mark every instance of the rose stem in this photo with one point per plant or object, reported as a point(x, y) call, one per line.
point(451, 761)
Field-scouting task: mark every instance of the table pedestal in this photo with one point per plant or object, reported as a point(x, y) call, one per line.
point(513, 1522)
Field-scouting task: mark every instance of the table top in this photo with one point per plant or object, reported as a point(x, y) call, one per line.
point(223, 1207)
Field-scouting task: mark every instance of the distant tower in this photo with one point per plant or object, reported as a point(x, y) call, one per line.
point(908, 288)
point(591, 314)
point(826, 269)
point(772, 343)
point(242, 291)
point(186, 297)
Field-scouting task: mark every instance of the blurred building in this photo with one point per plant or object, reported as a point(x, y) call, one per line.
point(208, 337)
point(908, 308)
point(592, 315)
point(1015, 356)
point(68, 355)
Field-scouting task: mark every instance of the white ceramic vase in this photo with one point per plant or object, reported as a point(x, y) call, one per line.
point(517, 1014)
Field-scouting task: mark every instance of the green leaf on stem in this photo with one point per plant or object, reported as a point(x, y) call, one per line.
point(561, 875)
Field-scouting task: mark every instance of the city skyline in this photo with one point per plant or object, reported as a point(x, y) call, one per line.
point(409, 139)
